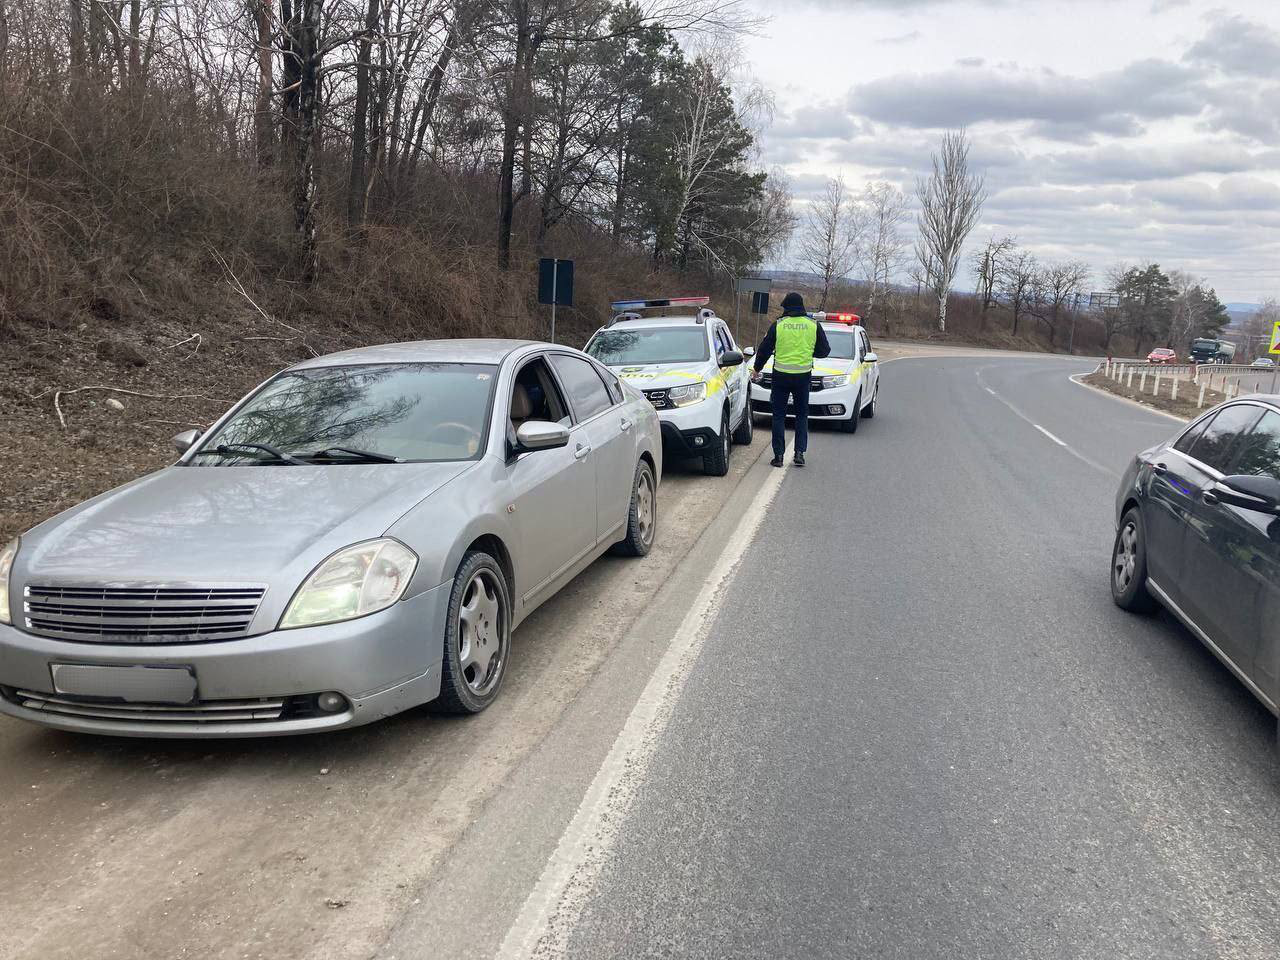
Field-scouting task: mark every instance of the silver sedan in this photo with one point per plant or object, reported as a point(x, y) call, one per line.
point(358, 536)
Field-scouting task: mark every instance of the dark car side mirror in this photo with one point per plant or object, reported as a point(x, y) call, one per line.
point(1260, 494)
point(730, 358)
point(541, 435)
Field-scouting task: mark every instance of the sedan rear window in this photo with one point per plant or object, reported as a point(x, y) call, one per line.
point(1217, 444)
point(1259, 454)
point(409, 411)
point(620, 347)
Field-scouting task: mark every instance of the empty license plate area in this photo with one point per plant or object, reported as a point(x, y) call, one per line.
point(133, 684)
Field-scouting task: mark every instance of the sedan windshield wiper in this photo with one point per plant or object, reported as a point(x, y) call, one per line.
point(233, 449)
point(353, 455)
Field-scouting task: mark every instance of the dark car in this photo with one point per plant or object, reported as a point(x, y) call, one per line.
point(1198, 530)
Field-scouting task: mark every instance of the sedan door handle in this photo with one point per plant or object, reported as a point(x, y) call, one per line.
point(1209, 497)
point(581, 451)
point(626, 424)
point(1159, 468)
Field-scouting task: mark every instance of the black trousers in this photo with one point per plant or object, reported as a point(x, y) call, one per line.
point(796, 387)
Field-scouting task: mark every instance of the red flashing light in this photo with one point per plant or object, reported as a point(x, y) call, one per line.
point(847, 318)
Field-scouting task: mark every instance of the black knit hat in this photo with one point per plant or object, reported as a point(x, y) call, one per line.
point(793, 304)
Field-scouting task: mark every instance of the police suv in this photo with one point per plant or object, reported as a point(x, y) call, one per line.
point(691, 370)
point(844, 386)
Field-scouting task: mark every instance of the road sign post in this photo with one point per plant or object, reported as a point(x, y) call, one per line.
point(555, 286)
point(756, 286)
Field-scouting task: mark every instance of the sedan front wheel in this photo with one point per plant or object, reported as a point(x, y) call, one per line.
point(477, 637)
point(1129, 565)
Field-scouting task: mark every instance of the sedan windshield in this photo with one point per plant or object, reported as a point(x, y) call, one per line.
point(841, 344)
point(375, 413)
point(626, 347)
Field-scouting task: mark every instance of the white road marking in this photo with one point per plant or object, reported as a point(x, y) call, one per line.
point(1065, 446)
point(1061, 443)
point(547, 918)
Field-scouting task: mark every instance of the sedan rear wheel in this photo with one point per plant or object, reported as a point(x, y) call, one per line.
point(477, 637)
point(1129, 565)
point(642, 516)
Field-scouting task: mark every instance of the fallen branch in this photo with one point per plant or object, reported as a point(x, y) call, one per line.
point(59, 394)
point(195, 336)
point(234, 283)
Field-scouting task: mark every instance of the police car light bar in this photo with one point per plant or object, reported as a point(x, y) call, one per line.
point(847, 318)
point(619, 305)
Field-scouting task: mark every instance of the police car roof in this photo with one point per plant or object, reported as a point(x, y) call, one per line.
point(676, 320)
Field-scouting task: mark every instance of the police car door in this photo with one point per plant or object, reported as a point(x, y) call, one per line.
point(735, 379)
point(872, 375)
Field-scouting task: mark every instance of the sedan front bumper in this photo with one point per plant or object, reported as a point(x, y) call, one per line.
point(381, 664)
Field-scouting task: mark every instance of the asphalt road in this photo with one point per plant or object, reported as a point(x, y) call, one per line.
point(918, 727)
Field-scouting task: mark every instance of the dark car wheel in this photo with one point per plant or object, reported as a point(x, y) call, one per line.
point(869, 410)
point(642, 517)
point(1129, 565)
point(716, 463)
point(477, 637)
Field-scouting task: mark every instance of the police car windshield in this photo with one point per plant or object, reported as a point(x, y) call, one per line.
point(631, 345)
point(841, 343)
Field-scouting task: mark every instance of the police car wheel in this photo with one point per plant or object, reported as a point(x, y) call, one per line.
point(746, 428)
point(851, 425)
point(716, 463)
point(642, 515)
point(870, 410)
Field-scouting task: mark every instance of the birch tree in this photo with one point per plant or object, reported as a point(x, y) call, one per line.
point(951, 202)
point(829, 237)
point(883, 255)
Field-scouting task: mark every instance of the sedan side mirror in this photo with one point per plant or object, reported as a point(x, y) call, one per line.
point(541, 435)
point(730, 358)
point(185, 440)
point(1260, 494)
point(870, 358)
point(748, 352)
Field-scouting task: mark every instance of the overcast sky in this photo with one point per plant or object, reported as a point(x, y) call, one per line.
point(1109, 130)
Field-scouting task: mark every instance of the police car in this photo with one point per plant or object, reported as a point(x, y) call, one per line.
point(845, 386)
point(690, 369)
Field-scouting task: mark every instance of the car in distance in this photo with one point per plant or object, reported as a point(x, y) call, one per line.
point(357, 536)
point(1266, 362)
point(1198, 531)
point(845, 386)
point(1162, 355)
point(689, 367)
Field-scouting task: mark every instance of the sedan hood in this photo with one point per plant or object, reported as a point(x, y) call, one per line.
point(826, 367)
point(234, 523)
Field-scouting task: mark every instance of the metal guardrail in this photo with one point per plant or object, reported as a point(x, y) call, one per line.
point(1230, 379)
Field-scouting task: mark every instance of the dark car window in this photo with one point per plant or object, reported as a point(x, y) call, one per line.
point(586, 390)
point(1217, 444)
point(1185, 442)
point(1259, 454)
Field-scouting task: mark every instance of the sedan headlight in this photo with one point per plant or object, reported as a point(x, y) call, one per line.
point(355, 581)
point(837, 381)
point(6, 567)
point(687, 394)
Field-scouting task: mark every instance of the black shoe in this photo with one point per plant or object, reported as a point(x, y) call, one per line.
point(799, 459)
point(776, 461)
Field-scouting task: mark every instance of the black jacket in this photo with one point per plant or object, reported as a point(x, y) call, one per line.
point(822, 348)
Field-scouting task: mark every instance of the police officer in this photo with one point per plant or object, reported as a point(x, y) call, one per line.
point(793, 340)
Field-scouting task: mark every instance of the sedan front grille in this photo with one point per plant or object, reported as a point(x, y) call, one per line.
point(140, 614)
point(206, 711)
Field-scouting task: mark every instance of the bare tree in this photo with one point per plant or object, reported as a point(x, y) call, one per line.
point(829, 237)
point(1017, 284)
point(986, 268)
point(1059, 287)
point(950, 204)
point(883, 254)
